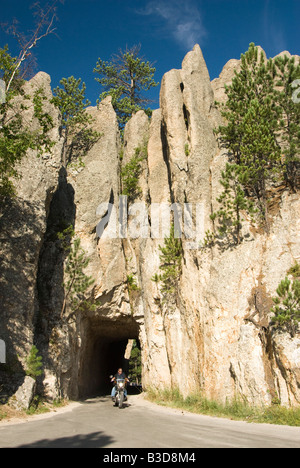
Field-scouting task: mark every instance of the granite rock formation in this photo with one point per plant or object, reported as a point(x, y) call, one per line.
point(214, 337)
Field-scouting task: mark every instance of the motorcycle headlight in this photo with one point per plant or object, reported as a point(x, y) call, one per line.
point(121, 384)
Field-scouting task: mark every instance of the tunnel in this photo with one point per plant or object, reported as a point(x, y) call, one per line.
point(103, 348)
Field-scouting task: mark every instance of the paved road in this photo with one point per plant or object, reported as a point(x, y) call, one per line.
point(95, 423)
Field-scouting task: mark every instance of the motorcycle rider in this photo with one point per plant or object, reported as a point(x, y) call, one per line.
point(119, 375)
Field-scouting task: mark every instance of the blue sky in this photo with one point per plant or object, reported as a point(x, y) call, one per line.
point(166, 30)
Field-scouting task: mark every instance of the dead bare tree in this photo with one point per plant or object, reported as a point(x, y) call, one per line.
point(45, 17)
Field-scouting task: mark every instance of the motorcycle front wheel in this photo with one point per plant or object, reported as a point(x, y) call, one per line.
point(121, 400)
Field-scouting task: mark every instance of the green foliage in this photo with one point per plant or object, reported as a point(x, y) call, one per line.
point(124, 78)
point(236, 409)
point(14, 143)
point(287, 306)
point(210, 237)
point(77, 282)
point(261, 133)
point(70, 100)
point(42, 140)
point(287, 73)
point(135, 364)
point(17, 134)
point(65, 237)
point(34, 363)
point(76, 122)
point(131, 283)
point(170, 264)
point(131, 172)
point(155, 278)
point(295, 270)
point(232, 201)
point(7, 67)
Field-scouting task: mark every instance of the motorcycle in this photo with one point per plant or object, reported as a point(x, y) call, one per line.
point(120, 385)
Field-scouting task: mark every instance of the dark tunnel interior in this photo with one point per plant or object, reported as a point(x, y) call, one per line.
point(103, 353)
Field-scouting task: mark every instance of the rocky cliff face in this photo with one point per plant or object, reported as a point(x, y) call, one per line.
point(214, 337)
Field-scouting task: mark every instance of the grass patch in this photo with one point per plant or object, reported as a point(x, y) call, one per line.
point(236, 409)
point(7, 412)
point(38, 406)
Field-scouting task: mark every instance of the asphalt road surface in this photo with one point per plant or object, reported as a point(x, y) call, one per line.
point(96, 423)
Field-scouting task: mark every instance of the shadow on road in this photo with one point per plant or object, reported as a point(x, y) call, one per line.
point(104, 399)
point(93, 440)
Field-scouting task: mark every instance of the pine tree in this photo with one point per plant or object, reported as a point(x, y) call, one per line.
point(287, 72)
point(75, 127)
point(131, 283)
point(131, 172)
point(135, 364)
point(170, 264)
point(77, 282)
point(261, 133)
point(124, 78)
point(233, 201)
point(260, 154)
point(287, 305)
point(252, 123)
point(34, 363)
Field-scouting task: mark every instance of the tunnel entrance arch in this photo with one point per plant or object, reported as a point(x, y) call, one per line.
point(103, 347)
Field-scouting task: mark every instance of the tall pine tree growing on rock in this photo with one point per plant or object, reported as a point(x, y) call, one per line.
point(125, 78)
point(170, 264)
point(287, 306)
point(261, 130)
point(76, 281)
point(75, 121)
point(34, 363)
point(233, 201)
point(287, 74)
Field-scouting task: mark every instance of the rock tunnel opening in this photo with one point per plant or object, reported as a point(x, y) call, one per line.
point(103, 352)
